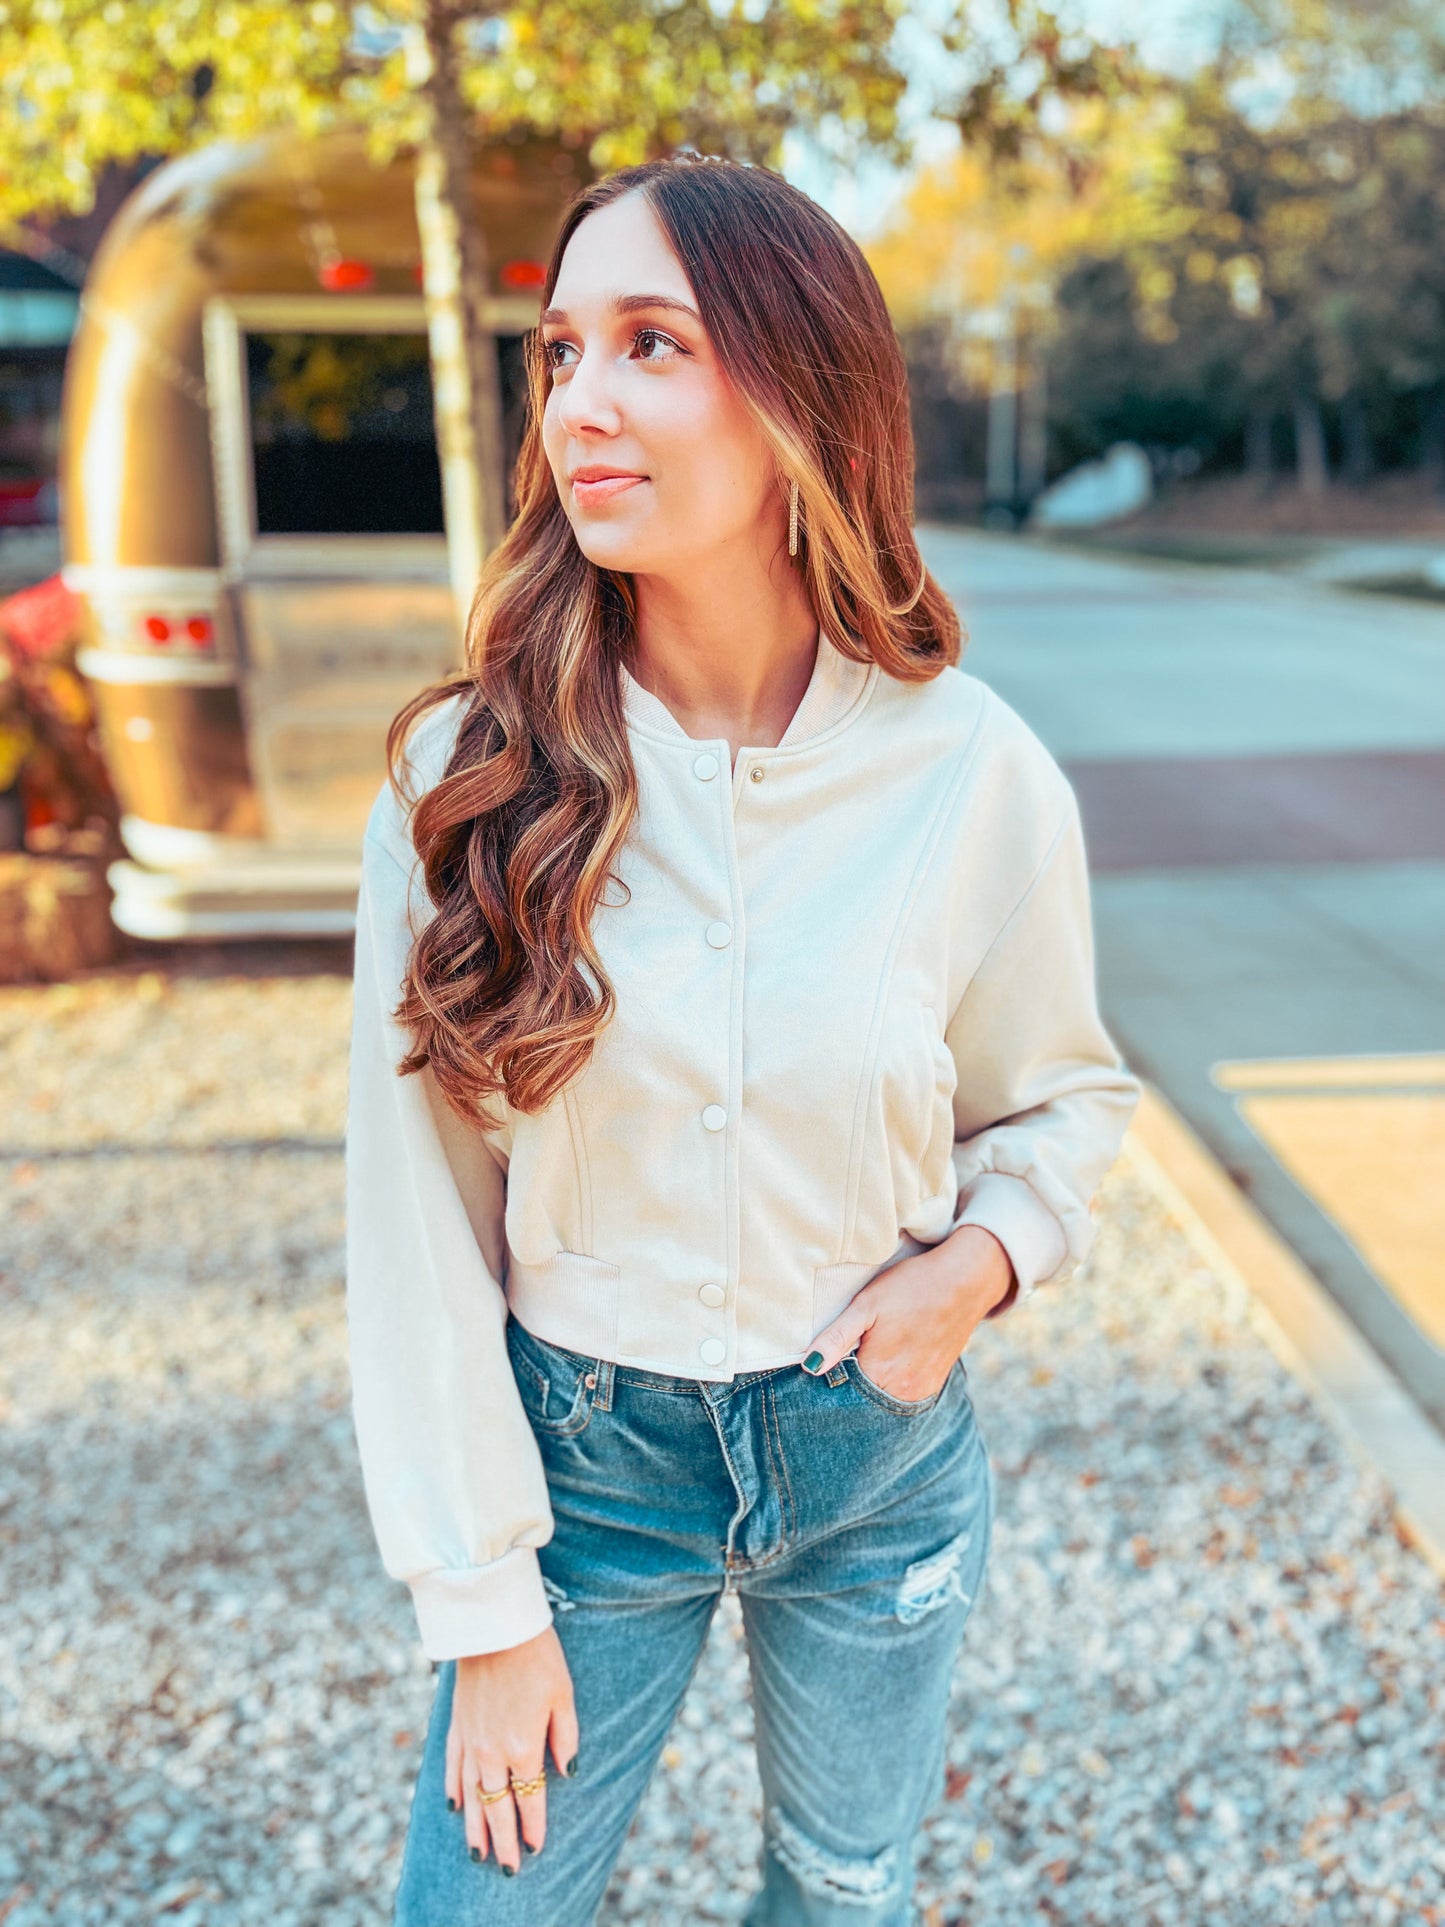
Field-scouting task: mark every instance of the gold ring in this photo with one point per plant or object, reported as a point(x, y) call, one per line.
point(486, 1798)
point(534, 1785)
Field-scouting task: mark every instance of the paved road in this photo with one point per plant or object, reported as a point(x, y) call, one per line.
point(1261, 767)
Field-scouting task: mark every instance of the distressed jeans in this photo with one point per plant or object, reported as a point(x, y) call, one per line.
point(854, 1527)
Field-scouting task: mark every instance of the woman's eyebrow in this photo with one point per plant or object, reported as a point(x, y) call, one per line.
point(628, 304)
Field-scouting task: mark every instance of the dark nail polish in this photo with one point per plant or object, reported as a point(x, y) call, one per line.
point(812, 1361)
point(476, 1853)
point(571, 1766)
point(451, 1804)
point(508, 1871)
point(527, 1847)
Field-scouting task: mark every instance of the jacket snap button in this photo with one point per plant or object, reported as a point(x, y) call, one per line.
point(719, 934)
point(713, 1351)
point(704, 768)
point(714, 1117)
point(755, 774)
point(711, 1294)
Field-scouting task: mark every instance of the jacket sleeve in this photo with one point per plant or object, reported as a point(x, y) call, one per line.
point(1043, 1099)
point(452, 1473)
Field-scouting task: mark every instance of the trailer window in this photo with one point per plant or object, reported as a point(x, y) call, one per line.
point(343, 435)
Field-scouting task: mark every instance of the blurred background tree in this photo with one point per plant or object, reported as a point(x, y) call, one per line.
point(1236, 266)
point(83, 85)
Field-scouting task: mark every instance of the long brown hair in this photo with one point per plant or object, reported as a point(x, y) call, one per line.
point(504, 991)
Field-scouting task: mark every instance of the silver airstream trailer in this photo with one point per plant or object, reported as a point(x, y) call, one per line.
point(252, 508)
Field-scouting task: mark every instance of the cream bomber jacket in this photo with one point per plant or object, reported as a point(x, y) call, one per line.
point(856, 1008)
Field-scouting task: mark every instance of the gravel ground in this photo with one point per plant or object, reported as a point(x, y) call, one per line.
point(1203, 1684)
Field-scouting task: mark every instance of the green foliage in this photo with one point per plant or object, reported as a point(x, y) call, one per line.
point(1291, 256)
point(83, 84)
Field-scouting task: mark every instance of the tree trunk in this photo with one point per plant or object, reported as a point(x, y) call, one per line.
point(1432, 439)
point(1359, 455)
point(1311, 460)
point(466, 378)
point(1034, 433)
point(1002, 457)
point(1259, 444)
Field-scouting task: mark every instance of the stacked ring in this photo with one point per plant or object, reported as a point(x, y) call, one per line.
point(534, 1785)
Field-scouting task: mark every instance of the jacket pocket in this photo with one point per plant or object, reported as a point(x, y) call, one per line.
point(570, 1293)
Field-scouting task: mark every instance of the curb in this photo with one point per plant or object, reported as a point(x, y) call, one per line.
point(1301, 1323)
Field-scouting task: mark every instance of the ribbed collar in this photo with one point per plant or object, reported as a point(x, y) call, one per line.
point(833, 688)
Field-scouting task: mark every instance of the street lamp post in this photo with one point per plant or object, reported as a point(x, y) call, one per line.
point(1001, 467)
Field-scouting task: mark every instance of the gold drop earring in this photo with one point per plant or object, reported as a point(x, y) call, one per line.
point(793, 522)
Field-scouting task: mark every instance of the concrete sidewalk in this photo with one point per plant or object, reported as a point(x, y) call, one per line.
point(1261, 766)
point(1405, 564)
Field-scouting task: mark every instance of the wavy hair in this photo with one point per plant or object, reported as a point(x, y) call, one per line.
point(504, 992)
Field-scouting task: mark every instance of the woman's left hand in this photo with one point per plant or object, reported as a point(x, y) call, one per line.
point(912, 1322)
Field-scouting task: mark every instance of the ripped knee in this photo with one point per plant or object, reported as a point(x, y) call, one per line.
point(930, 1583)
point(556, 1598)
point(861, 1878)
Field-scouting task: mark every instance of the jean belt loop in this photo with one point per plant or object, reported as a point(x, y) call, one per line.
point(603, 1368)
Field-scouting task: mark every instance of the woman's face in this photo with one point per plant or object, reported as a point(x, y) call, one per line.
point(641, 391)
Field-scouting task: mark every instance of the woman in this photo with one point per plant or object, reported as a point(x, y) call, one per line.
point(745, 1059)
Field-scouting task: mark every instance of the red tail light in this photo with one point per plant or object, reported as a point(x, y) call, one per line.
point(339, 277)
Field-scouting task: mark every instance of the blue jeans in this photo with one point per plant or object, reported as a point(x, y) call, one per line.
point(854, 1526)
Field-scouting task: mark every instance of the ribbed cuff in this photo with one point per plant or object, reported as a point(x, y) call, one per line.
point(1013, 1211)
point(481, 1609)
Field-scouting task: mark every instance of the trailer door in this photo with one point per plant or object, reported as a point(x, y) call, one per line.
point(330, 494)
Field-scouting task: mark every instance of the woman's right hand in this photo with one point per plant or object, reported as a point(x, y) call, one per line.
point(506, 1706)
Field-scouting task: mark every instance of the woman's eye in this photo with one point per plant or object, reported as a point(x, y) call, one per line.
point(553, 361)
point(654, 334)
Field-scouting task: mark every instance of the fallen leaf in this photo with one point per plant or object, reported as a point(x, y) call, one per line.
point(183, 1896)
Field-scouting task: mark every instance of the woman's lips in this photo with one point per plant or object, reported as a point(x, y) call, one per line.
point(603, 491)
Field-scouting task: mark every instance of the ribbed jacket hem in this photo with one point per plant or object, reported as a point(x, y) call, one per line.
point(1017, 1216)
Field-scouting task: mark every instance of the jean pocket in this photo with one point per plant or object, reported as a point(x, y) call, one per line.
point(556, 1387)
point(905, 1407)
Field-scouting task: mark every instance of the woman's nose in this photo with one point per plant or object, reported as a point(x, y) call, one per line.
point(585, 399)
